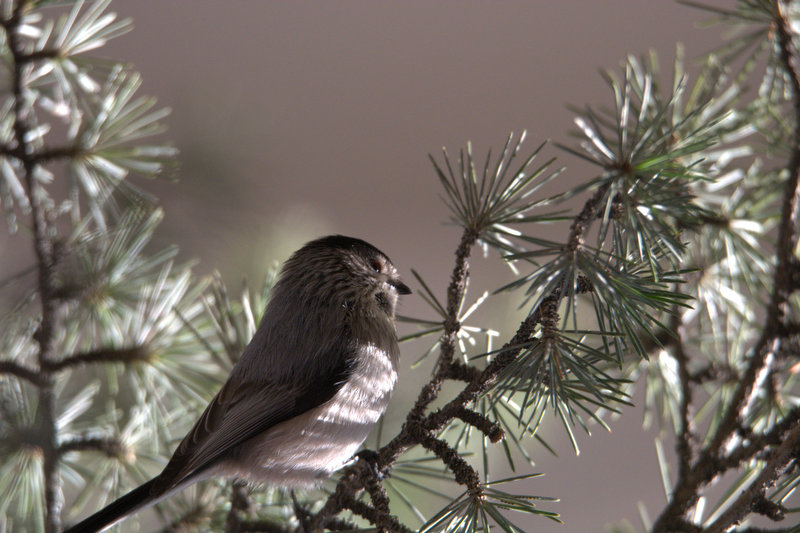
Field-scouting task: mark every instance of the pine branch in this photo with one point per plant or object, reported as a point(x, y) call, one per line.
point(461, 371)
point(43, 247)
point(753, 498)
point(239, 504)
point(455, 294)
point(685, 434)
point(125, 355)
point(492, 430)
point(380, 502)
point(787, 230)
point(376, 517)
point(41, 155)
point(419, 428)
point(463, 472)
point(110, 447)
point(769, 344)
point(22, 372)
point(39, 55)
point(705, 468)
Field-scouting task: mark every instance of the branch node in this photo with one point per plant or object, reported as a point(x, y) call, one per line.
point(765, 507)
point(461, 371)
point(23, 372)
point(112, 448)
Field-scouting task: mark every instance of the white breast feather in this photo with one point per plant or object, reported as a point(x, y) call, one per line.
point(308, 448)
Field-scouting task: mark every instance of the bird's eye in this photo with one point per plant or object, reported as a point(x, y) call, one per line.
point(376, 265)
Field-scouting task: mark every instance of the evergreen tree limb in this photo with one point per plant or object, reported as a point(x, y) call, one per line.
point(380, 502)
point(365, 510)
point(769, 343)
point(418, 427)
point(787, 230)
point(492, 430)
point(45, 258)
point(758, 445)
point(461, 371)
point(42, 155)
point(753, 498)
point(125, 355)
point(110, 447)
point(684, 438)
point(463, 472)
point(239, 504)
point(22, 372)
point(455, 294)
point(686, 491)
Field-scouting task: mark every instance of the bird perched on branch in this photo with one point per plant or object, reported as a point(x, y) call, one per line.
point(307, 389)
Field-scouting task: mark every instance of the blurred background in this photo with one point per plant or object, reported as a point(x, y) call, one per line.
point(298, 119)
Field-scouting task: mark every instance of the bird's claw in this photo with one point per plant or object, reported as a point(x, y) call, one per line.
point(370, 457)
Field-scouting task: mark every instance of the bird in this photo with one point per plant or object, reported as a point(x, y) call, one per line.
point(305, 392)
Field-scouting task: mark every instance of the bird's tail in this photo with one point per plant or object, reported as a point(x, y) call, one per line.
point(136, 499)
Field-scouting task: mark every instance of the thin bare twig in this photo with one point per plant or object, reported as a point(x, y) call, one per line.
point(380, 501)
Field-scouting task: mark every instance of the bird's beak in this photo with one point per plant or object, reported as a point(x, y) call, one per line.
point(401, 287)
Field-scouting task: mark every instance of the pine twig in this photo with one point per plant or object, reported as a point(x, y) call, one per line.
point(704, 469)
point(110, 447)
point(22, 372)
point(492, 430)
point(239, 504)
point(463, 472)
point(374, 516)
point(683, 446)
point(380, 502)
point(757, 444)
point(455, 293)
point(419, 428)
point(754, 496)
point(45, 260)
point(126, 355)
point(461, 371)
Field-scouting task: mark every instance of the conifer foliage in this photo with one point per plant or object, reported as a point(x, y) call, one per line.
point(677, 272)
